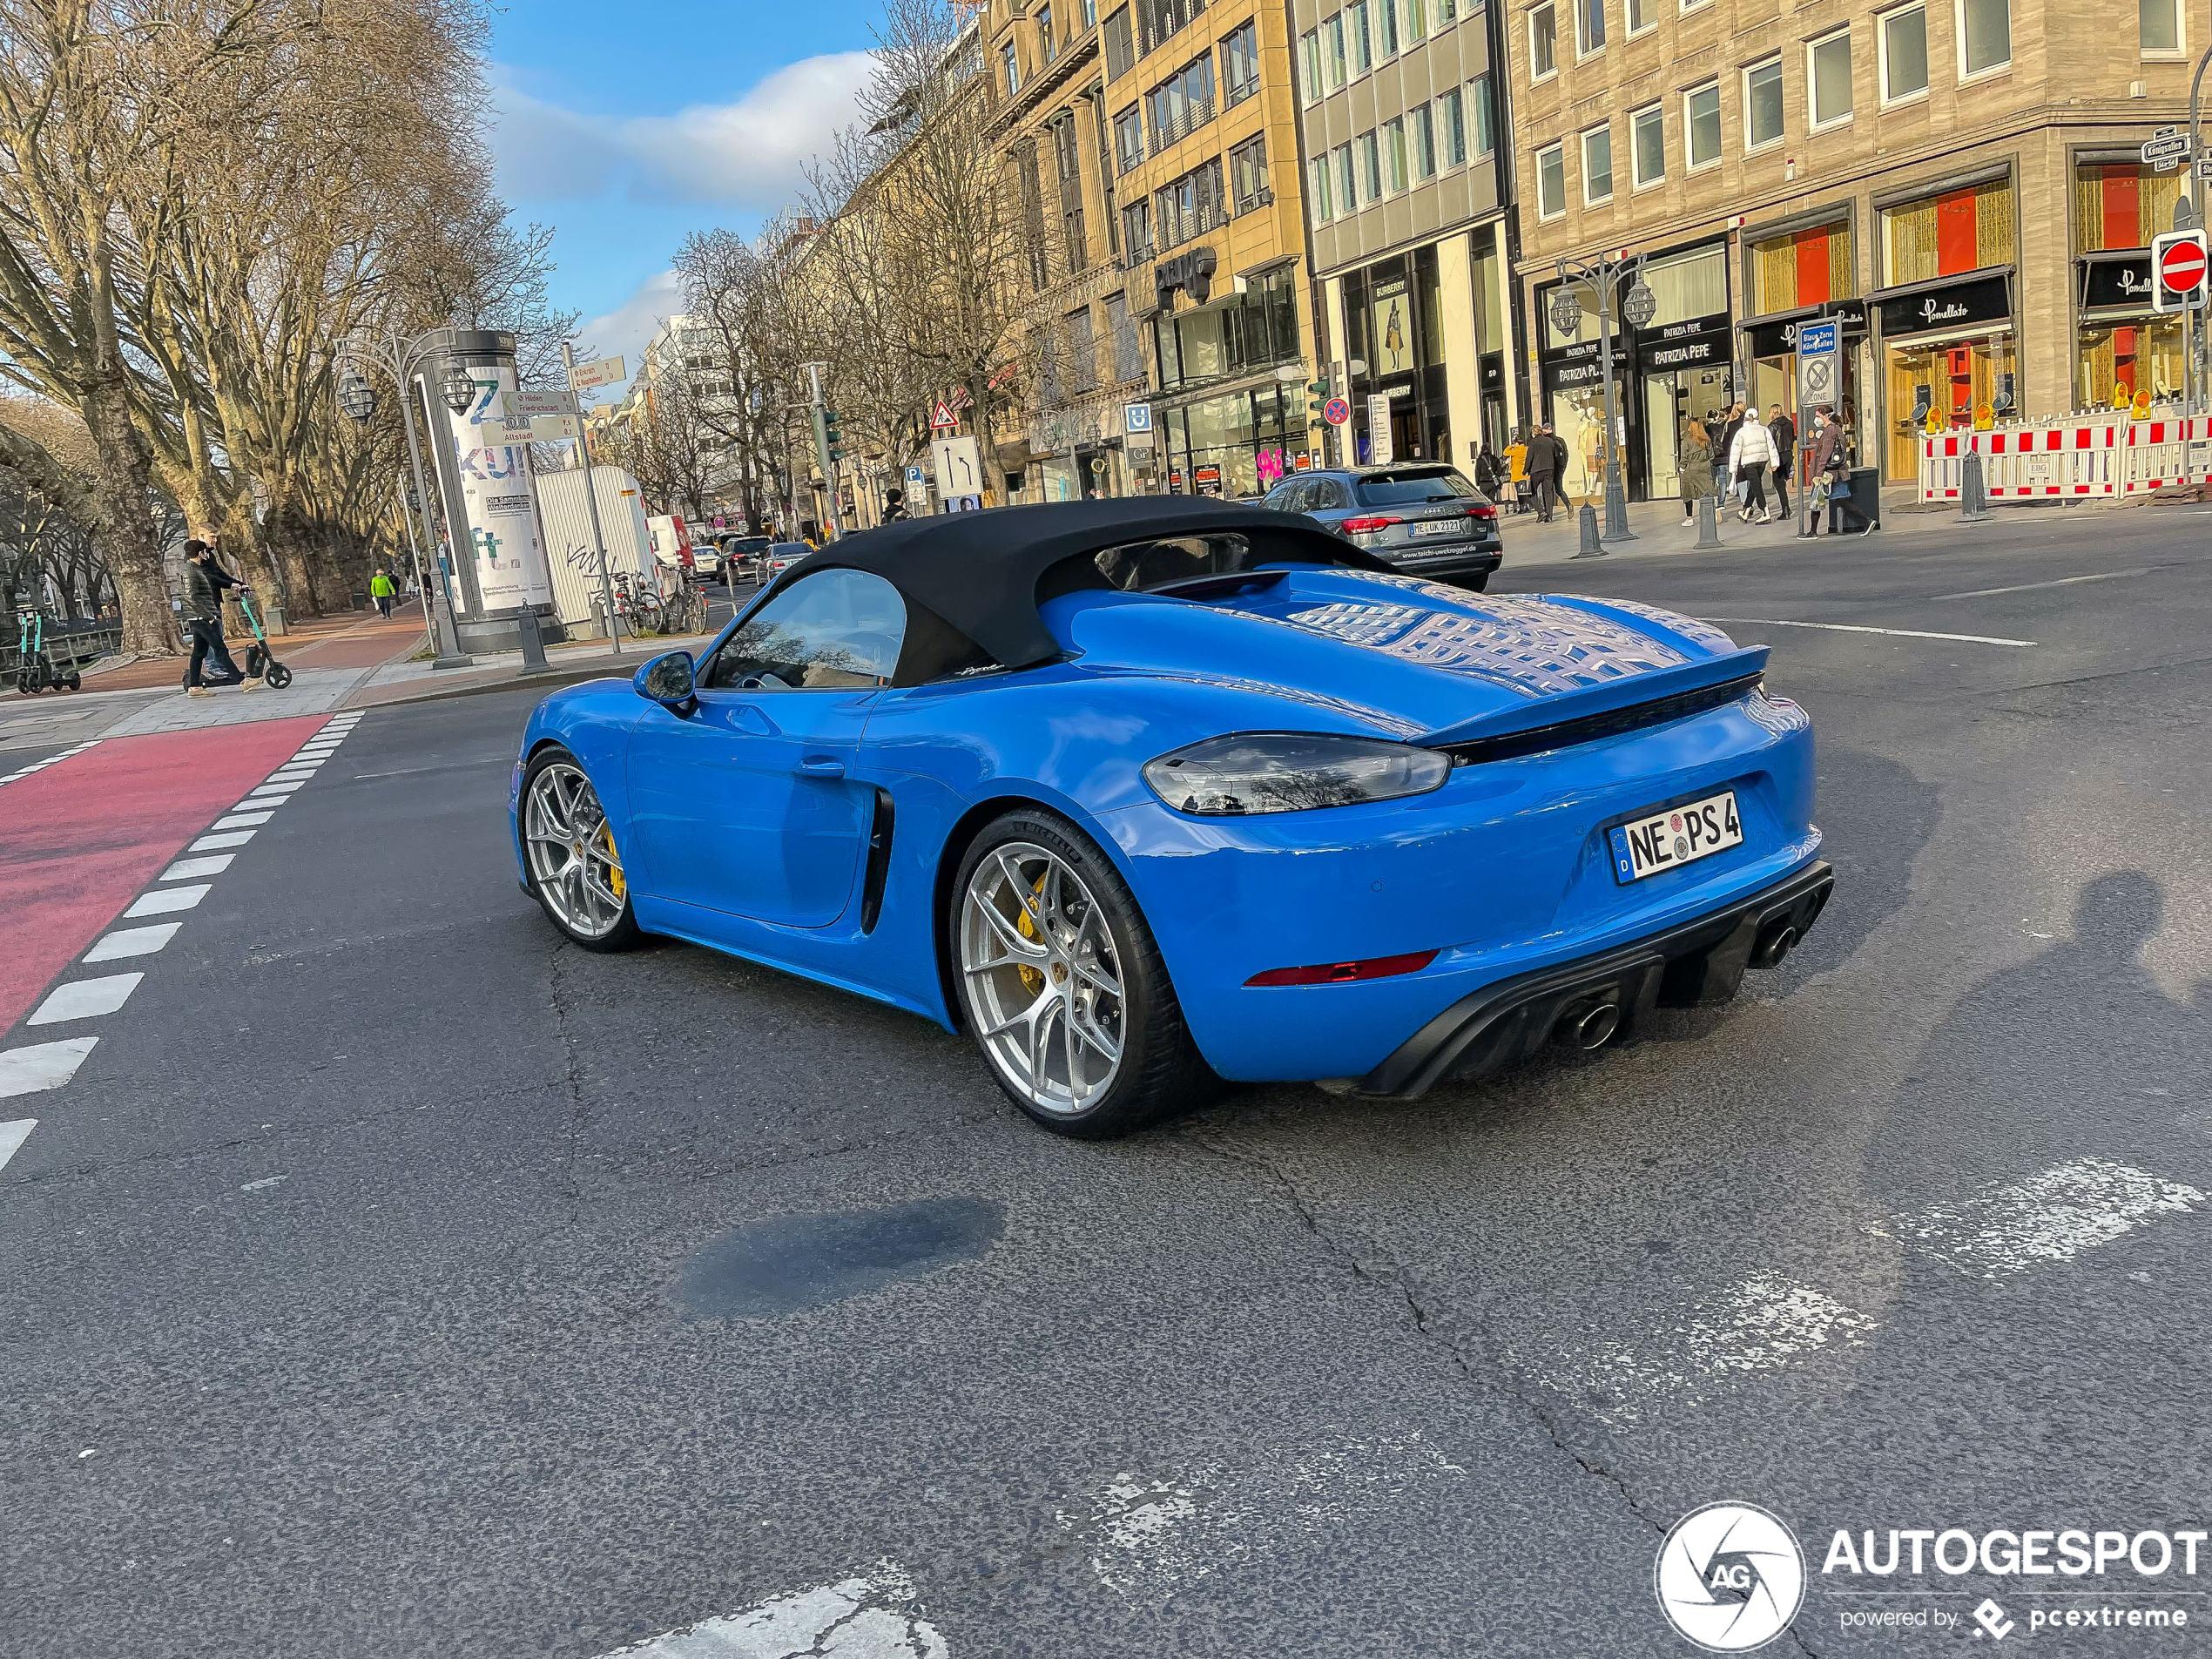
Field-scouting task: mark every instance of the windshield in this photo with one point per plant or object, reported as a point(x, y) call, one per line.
point(1415, 484)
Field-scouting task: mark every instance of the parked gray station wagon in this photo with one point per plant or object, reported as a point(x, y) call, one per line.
point(1426, 517)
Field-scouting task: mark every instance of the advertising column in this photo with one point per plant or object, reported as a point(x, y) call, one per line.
point(500, 564)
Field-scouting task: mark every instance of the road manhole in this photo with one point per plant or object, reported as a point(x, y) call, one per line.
point(788, 1263)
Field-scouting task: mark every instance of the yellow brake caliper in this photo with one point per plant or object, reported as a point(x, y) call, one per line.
point(606, 839)
point(1032, 978)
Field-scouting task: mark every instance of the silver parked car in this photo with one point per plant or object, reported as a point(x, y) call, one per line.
point(1425, 516)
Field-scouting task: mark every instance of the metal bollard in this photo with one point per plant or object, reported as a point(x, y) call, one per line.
point(1974, 498)
point(1592, 547)
point(533, 644)
point(1709, 523)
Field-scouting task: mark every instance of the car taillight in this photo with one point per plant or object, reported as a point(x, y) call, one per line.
point(1482, 512)
point(1368, 526)
point(1347, 973)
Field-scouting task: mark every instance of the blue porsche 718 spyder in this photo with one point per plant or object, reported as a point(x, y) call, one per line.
point(1149, 794)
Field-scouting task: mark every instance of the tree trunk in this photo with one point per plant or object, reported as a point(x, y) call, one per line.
point(122, 481)
point(288, 541)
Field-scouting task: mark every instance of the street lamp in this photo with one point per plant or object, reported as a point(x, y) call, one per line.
point(1637, 307)
point(458, 388)
point(403, 361)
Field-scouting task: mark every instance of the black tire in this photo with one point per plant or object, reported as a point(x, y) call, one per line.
point(75, 681)
point(625, 934)
point(278, 676)
point(1479, 583)
point(1162, 1072)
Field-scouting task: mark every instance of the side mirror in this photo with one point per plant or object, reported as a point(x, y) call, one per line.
point(670, 681)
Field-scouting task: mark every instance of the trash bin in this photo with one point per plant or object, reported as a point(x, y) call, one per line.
point(1862, 509)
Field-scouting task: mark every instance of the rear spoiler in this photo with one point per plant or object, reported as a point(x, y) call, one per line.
point(1743, 664)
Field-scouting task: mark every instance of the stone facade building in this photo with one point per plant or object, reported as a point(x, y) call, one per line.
point(1957, 180)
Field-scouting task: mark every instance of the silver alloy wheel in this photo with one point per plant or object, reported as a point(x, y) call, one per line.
point(1044, 982)
point(573, 860)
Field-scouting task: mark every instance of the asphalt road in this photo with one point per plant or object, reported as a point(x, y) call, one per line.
point(394, 1280)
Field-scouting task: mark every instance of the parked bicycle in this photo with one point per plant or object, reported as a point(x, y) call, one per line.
point(637, 606)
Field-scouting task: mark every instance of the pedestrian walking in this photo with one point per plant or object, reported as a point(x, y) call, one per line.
point(894, 505)
point(380, 590)
point(1545, 454)
point(1695, 466)
point(1724, 446)
point(1750, 455)
point(1784, 431)
point(1489, 472)
point(205, 580)
point(1830, 471)
point(1517, 469)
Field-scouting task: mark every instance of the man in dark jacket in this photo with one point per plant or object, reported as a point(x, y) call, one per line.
point(1545, 454)
point(1785, 432)
point(205, 580)
point(1489, 472)
point(1723, 447)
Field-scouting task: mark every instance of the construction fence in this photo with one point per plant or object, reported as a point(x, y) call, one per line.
point(2078, 457)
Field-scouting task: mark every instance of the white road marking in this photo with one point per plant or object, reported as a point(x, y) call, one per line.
point(284, 774)
point(240, 821)
point(854, 1618)
point(187, 869)
point(2030, 587)
point(162, 901)
point(42, 1065)
point(2010, 1227)
point(1765, 1323)
point(1854, 628)
point(85, 998)
point(275, 789)
point(50, 760)
point(210, 843)
point(12, 1136)
point(134, 942)
point(264, 1184)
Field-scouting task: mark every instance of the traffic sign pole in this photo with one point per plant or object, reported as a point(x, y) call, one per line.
point(591, 501)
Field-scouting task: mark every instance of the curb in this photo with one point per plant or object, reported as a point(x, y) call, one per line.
point(551, 679)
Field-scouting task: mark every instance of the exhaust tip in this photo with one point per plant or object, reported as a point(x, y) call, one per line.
point(1776, 946)
point(1590, 1027)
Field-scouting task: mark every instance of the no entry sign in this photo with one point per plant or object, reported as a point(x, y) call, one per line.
point(2181, 267)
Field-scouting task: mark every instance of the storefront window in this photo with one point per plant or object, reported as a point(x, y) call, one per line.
point(2117, 360)
point(1235, 444)
point(1803, 268)
point(2122, 205)
point(1966, 229)
point(1232, 336)
point(1952, 379)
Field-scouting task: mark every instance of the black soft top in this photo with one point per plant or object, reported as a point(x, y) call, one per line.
point(978, 571)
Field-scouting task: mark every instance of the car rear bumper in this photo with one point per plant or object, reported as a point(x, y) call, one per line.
point(1692, 962)
point(1445, 564)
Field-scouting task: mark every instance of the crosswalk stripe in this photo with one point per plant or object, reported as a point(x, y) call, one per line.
point(41, 1066)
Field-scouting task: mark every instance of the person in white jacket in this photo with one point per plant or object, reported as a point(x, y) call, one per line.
point(1748, 457)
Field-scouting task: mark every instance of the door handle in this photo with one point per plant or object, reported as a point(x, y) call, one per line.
point(822, 766)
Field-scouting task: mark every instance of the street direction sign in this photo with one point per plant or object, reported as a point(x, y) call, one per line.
point(1817, 337)
point(960, 468)
point(1336, 411)
point(556, 428)
point(2177, 263)
point(522, 406)
point(942, 419)
point(2204, 167)
point(603, 371)
point(1819, 362)
point(2165, 149)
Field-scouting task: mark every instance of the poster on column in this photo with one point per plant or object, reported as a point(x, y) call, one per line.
point(497, 492)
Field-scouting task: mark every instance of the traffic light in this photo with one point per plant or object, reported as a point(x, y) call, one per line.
point(831, 439)
point(1316, 393)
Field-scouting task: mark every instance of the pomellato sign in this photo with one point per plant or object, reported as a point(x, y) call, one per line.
point(2112, 284)
point(1961, 305)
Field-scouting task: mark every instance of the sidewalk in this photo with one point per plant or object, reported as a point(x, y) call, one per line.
point(342, 641)
point(1659, 528)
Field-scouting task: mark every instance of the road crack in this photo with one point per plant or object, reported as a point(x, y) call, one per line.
point(572, 1069)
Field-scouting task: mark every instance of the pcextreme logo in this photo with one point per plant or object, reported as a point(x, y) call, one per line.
point(1730, 1577)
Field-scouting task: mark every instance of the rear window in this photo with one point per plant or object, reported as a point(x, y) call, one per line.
point(1415, 484)
point(1148, 567)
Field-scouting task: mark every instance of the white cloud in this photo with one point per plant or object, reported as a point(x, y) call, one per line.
point(624, 330)
point(749, 154)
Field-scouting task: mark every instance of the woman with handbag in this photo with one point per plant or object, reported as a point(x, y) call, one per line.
point(1749, 456)
point(1829, 471)
point(1696, 466)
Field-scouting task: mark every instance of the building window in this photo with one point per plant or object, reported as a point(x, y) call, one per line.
point(1389, 27)
point(1551, 181)
point(1597, 164)
point(1828, 73)
point(1047, 48)
point(1905, 54)
point(2158, 26)
point(2122, 205)
point(1066, 149)
point(1317, 189)
point(1967, 229)
point(1137, 231)
point(1083, 352)
point(1071, 228)
point(1649, 128)
point(1091, 12)
point(1543, 44)
point(1129, 359)
point(1158, 19)
point(1239, 65)
point(1363, 45)
point(1803, 268)
point(1424, 120)
point(1485, 116)
point(1416, 22)
point(1394, 151)
point(1643, 15)
point(1700, 120)
point(1190, 206)
point(1248, 174)
point(1590, 27)
point(1347, 186)
point(1181, 104)
point(1451, 116)
point(1309, 57)
point(1013, 70)
point(1129, 139)
point(1763, 104)
point(1121, 49)
point(1333, 53)
point(1371, 178)
point(1985, 36)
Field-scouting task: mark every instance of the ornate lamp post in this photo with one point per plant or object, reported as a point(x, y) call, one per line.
point(403, 360)
point(1637, 307)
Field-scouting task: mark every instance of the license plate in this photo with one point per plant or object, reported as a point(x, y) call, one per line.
point(1441, 527)
point(1679, 835)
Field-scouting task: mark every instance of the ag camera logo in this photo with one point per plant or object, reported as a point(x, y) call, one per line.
point(1730, 1577)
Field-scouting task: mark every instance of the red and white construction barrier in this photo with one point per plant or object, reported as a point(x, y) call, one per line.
point(2074, 458)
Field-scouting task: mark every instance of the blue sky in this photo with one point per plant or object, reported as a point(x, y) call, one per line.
point(626, 126)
